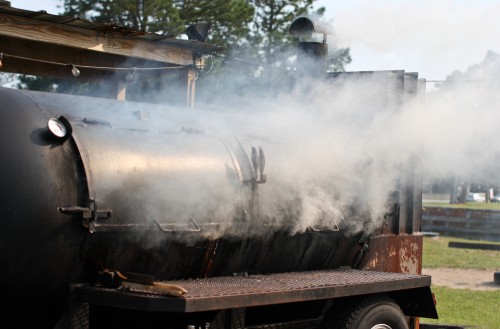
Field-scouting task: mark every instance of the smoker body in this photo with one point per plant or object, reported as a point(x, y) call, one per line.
point(95, 192)
point(149, 196)
point(135, 188)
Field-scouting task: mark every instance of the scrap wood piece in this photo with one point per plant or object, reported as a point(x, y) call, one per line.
point(155, 288)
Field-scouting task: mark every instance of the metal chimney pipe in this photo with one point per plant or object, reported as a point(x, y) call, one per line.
point(311, 54)
point(311, 58)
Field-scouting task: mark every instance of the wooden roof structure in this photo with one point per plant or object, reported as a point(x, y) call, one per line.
point(38, 43)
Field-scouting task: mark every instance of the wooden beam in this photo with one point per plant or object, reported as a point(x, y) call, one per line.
point(48, 46)
point(55, 34)
point(59, 54)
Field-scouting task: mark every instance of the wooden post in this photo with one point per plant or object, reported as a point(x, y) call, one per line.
point(192, 74)
point(122, 91)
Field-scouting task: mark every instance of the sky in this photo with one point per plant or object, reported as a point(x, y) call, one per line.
point(433, 38)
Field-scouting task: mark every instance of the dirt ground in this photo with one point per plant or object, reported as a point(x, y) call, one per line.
point(462, 278)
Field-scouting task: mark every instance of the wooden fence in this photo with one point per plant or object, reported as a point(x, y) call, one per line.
point(462, 223)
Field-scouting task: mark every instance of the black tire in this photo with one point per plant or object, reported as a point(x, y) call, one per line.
point(373, 312)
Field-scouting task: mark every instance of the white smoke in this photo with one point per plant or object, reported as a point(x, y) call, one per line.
point(332, 147)
point(332, 158)
point(335, 152)
point(430, 37)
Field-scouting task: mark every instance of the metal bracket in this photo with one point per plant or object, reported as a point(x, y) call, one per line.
point(90, 213)
point(258, 160)
point(172, 227)
point(360, 255)
point(320, 228)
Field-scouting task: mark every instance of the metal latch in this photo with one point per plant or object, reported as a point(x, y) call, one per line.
point(258, 163)
point(88, 213)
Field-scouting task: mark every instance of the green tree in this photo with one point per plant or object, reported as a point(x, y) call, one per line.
point(273, 52)
point(275, 45)
point(229, 18)
point(338, 59)
point(270, 27)
point(145, 15)
point(7, 79)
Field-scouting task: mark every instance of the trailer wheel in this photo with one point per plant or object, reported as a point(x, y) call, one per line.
point(374, 312)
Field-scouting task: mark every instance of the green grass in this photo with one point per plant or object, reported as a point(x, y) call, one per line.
point(479, 309)
point(464, 307)
point(437, 254)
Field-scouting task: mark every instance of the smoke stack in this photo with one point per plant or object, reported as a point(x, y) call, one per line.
point(311, 58)
point(312, 50)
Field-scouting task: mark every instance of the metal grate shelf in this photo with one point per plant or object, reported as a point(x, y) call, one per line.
point(254, 290)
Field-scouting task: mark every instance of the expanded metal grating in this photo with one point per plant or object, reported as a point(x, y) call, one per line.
point(252, 284)
point(255, 290)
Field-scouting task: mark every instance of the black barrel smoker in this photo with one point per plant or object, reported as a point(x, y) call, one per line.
point(92, 184)
point(96, 192)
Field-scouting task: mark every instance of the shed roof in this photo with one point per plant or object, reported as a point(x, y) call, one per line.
point(35, 42)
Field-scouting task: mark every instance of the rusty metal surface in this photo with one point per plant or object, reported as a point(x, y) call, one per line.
point(395, 253)
point(255, 290)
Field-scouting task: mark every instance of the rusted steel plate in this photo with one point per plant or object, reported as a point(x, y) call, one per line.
point(255, 290)
point(395, 253)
